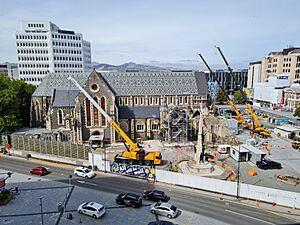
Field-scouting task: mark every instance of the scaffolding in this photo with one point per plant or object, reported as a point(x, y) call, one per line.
point(178, 125)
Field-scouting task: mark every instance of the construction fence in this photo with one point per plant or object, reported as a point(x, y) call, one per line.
point(55, 148)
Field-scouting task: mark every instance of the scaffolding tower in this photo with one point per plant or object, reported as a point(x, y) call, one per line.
point(178, 123)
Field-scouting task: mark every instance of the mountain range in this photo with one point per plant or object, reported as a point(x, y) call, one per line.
point(131, 66)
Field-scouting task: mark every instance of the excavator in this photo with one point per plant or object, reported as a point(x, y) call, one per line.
point(239, 116)
point(134, 154)
point(256, 126)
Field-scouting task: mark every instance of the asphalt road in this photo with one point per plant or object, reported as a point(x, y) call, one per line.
point(207, 205)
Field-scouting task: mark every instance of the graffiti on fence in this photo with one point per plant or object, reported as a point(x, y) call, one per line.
point(133, 170)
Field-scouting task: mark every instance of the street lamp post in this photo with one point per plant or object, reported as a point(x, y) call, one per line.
point(41, 204)
point(70, 177)
point(238, 174)
point(104, 159)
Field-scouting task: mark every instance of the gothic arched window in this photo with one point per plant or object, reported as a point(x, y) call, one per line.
point(103, 106)
point(96, 114)
point(88, 112)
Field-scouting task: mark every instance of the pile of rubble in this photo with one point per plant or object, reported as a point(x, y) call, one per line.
point(216, 132)
point(288, 179)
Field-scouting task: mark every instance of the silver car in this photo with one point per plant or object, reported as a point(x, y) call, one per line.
point(93, 209)
point(164, 209)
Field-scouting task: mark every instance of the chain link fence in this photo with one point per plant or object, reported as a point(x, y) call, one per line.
point(55, 148)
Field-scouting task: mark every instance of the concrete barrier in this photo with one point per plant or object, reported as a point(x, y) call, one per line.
point(280, 197)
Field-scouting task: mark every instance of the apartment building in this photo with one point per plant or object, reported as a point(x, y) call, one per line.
point(10, 69)
point(43, 48)
point(254, 74)
point(285, 62)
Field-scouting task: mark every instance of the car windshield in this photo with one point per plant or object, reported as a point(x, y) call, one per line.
point(173, 208)
point(87, 170)
point(99, 210)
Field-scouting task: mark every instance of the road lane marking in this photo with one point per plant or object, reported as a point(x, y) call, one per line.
point(84, 182)
point(250, 217)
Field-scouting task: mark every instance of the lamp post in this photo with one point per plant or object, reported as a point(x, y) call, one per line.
point(238, 174)
point(41, 204)
point(70, 177)
point(104, 158)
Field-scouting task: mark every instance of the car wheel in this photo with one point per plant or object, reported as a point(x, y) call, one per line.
point(80, 211)
point(152, 211)
point(95, 216)
point(86, 176)
point(146, 197)
point(118, 202)
point(133, 205)
point(169, 216)
point(76, 174)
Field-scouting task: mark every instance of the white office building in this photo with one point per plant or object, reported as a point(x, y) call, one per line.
point(270, 93)
point(43, 48)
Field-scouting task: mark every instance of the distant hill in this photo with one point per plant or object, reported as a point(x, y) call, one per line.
point(126, 66)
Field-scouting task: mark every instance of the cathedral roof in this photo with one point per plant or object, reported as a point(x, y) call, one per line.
point(138, 112)
point(58, 81)
point(133, 83)
point(156, 83)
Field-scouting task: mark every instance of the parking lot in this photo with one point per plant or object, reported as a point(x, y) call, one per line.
point(26, 209)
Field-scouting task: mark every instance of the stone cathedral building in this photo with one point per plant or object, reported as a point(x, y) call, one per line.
point(140, 102)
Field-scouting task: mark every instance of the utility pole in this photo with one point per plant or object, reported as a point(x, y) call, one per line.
point(41, 204)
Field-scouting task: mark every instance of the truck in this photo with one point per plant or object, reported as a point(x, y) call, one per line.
point(134, 154)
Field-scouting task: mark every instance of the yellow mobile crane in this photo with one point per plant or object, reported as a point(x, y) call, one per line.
point(239, 117)
point(257, 126)
point(134, 154)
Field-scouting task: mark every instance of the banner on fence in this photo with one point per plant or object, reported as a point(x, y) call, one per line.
point(133, 170)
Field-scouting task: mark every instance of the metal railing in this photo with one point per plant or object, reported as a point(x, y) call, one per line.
point(49, 147)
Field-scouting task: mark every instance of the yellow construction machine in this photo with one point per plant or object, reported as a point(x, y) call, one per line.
point(134, 154)
point(256, 126)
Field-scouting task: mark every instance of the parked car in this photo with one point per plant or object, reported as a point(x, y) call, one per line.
point(39, 170)
point(129, 199)
point(268, 164)
point(162, 222)
point(164, 209)
point(156, 195)
point(93, 209)
point(84, 172)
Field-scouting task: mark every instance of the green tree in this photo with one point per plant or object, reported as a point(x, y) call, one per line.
point(238, 97)
point(297, 112)
point(221, 98)
point(15, 99)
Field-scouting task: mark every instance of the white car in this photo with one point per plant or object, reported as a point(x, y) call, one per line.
point(164, 209)
point(93, 209)
point(84, 172)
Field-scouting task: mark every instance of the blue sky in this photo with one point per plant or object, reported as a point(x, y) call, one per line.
point(163, 31)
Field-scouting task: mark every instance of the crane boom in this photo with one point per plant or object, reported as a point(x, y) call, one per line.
point(250, 108)
point(257, 125)
point(240, 118)
point(134, 153)
point(132, 146)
